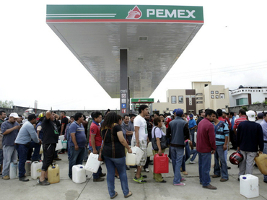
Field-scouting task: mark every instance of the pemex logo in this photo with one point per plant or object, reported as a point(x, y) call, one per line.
point(135, 13)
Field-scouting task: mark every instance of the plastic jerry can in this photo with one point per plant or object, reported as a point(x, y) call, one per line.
point(92, 163)
point(28, 164)
point(261, 162)
point(161, 164)
point(130, 159)
point(249, 186)
point(53, 174)
point(36, 169)
point(139, 153)
point(59, 145)
point(13, 168)
point(149, 151)
point(64, 144)
point(78, 174)
point(195, 137)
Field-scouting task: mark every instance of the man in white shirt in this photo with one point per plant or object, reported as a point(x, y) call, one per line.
point(140, 140)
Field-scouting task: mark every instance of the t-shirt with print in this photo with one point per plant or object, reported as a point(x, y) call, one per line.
point(79, 134)
point(64, 121)
point(95, 130)
point(140, 122)
point(49, 129)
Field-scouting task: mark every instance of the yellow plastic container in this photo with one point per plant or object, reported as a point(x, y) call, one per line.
point(261, 161)
point(53, 174)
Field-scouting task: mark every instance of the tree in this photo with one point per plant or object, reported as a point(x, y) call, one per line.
point(6, 104)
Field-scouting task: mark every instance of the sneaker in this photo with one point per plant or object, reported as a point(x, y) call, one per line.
point(139, 180)
point(211, 187)
point(163, 181)
point(143, 176)
point(183, 179)
point(224, 179)
point(45, 182)
point(102, 175)
point(179, 184)
point(192, 162)
point(146, 170)
point(23, 179)
point(98, 179)
point(57, 158)
point(6, 177)
point(215, 176)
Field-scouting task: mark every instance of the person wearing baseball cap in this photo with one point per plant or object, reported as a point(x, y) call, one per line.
point(178, 132)
point(9, 130)
point(249, 142)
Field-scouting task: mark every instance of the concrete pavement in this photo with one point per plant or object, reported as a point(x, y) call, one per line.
point(67, 190)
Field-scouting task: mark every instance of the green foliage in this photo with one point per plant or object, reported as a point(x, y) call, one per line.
point(264, 102)
point(6, 104)
point(257, 102)
point(245, 108)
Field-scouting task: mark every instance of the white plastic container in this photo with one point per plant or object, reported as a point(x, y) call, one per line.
point(78, 174)
point(139, 153)
point(59, 145)
point(249, 186)
point(36, 169)
point(149, 151)
point(28, 164)
point(61, 137)
point(13, 168)
point(130, 159)
point(195, 137)
point(92, 163)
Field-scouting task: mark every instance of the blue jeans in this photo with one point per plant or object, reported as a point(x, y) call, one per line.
point(1, 156)
point(120, 164)
point(204, 160)
point(265, 151)
point(186, 156)
point(76, 158)
point(99, 172)
point(177, 159)
point(194, 152)
point(22, 152)
point(192, 134)
point(220, 156)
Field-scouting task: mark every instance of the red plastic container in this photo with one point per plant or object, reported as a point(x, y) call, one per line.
point(161, 164)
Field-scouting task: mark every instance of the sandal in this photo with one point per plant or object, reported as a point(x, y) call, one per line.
point(116, 194)
point(128, 195)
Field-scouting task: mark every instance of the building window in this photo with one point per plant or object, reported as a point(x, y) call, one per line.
point(216, 92)
point(217, 96)
point(206, 85)
point(253, 90)
point(242, 101)
point(222, 95)
point(199, 102)
point(199, 98)
point(173, 99)
point(212, 92)
point(180, 99)
point(212, 96)
point(200, 94)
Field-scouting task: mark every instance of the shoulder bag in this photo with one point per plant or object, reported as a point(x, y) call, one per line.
point(163, 141)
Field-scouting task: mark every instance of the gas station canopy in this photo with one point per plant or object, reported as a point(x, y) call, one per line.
point(155, 36)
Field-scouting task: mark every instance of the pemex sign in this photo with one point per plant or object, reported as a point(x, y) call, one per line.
point(124, 13)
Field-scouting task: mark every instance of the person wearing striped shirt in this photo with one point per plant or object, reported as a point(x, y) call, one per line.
point(221, 139)
point(242, 117)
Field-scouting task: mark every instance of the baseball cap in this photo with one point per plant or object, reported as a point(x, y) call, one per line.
point(251, 115)
point(223, 110)
point(15, 115)
point(191, 115)
point(260, 115)
point(179, 111)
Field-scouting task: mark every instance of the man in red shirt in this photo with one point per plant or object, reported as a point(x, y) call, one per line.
point(206, 146)
point(242, 117)
point(95, 142)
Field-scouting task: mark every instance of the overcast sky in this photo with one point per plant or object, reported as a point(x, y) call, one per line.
point(230, 49)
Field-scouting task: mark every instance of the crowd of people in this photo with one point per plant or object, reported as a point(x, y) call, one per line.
point(114, 135)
